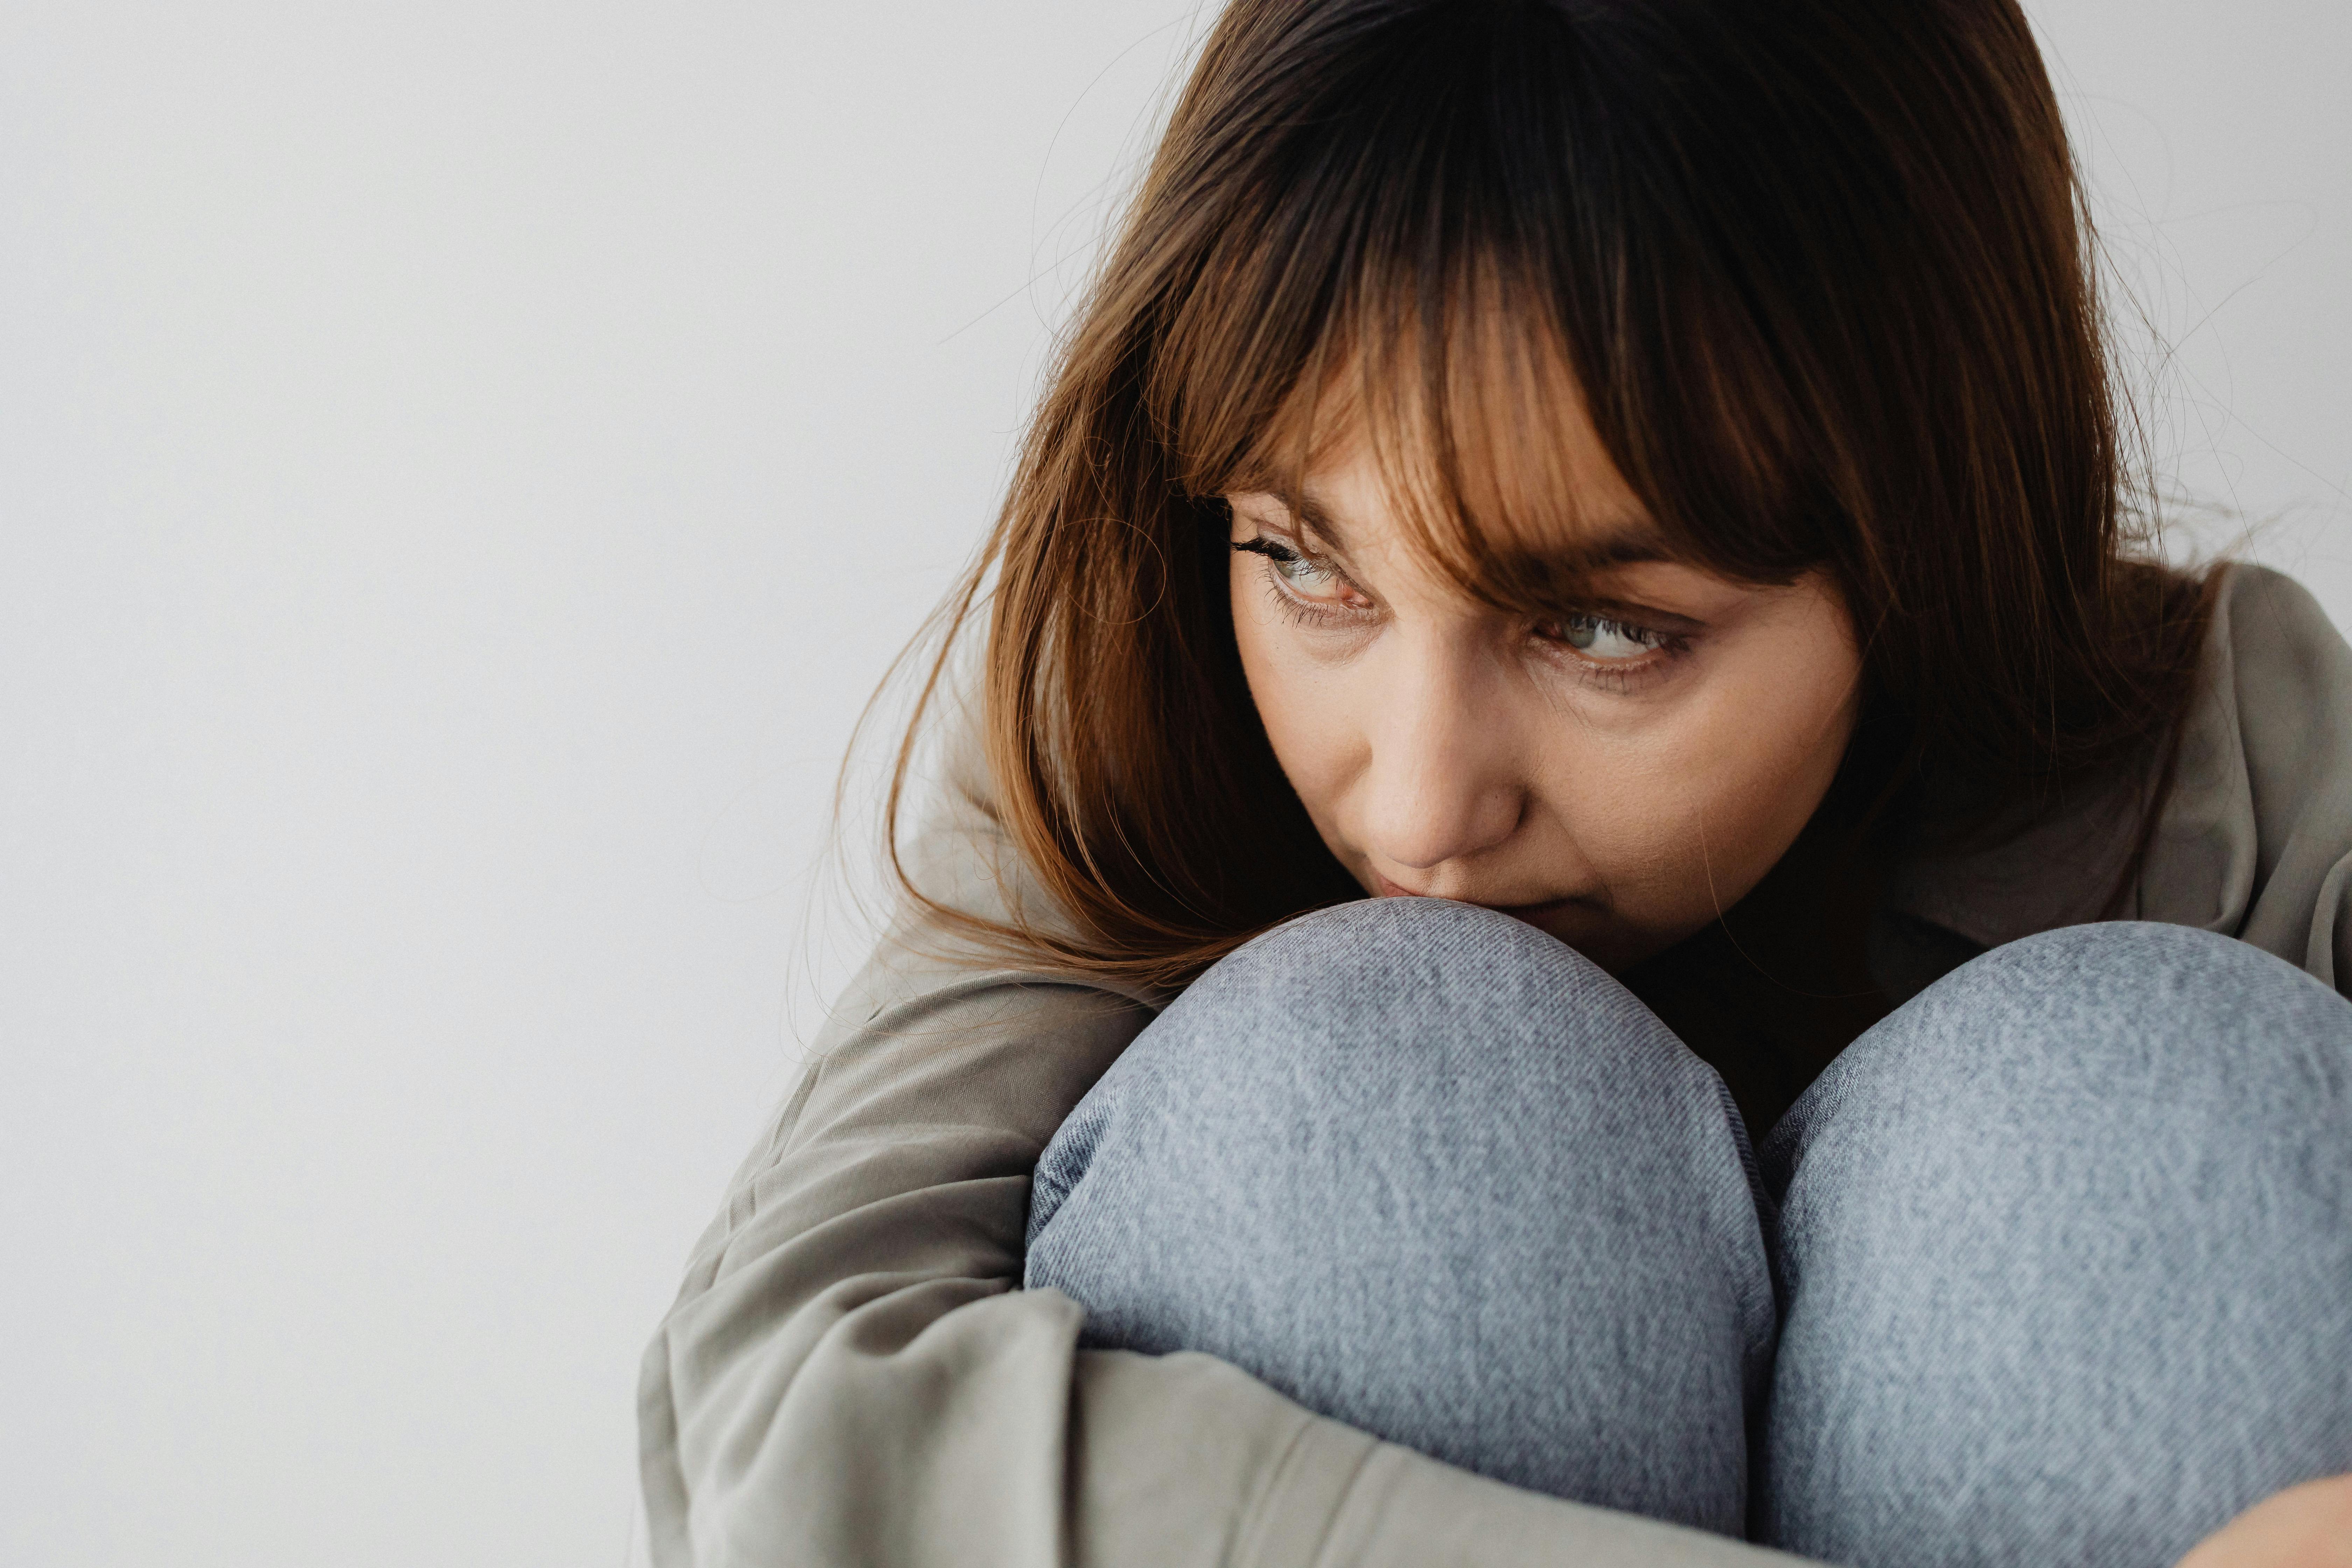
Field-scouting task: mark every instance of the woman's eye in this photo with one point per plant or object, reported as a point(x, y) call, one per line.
point(1600, 638)
point(1304, 576)
point(1304, 572)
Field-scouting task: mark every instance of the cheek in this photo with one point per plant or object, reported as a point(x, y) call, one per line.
point(1297, 700)
point(1684, 819)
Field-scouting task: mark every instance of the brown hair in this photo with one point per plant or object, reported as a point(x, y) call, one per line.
point(1817, 270)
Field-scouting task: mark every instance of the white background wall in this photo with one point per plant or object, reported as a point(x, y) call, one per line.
point(461, 466)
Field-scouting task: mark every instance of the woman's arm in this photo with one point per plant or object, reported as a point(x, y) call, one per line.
point(850, 1374)
point(816, 1394)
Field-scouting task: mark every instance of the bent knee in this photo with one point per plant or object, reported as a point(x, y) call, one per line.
point(1425, 1169)
point(1401, 1060)
point(1381, 959)
point(2078, 1187)
point(2131, 1025)
point(1399, 1023)
point(2165, 980)
point(2097, 1082)
point(1384, 985)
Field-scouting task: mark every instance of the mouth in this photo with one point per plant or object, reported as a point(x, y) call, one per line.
point(1535, 913)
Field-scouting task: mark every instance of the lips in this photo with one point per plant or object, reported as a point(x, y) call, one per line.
point(1535, 912)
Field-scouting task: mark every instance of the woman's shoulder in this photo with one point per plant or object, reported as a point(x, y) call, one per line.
point(2276, 664)
point(2266, 744)
point(2255, 837)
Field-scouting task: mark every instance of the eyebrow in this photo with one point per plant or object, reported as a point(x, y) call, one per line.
point(1308, 508)
point(1624, 541)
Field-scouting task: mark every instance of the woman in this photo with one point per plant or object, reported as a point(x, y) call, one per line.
point(1631, 486)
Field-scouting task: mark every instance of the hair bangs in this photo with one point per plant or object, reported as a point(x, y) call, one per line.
point(1542, 366)
point(1809, 278)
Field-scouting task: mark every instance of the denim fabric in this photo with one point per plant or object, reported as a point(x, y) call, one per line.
point(2066, 1259)
point(2062, 1248)
point(1424, 1169)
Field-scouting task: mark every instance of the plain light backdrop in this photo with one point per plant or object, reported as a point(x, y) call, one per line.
point(462, 466)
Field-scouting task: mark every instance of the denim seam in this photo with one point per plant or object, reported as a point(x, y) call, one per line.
point(1759, 1310)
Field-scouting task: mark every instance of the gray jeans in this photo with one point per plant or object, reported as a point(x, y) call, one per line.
point(2052, 1266)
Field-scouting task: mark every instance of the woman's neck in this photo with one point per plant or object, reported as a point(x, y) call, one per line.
point(1775, 988)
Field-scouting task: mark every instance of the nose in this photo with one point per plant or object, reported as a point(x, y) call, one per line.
point(1442, 783)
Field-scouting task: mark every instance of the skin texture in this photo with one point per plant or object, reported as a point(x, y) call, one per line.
point(1618, 795)
point(2309, 1526)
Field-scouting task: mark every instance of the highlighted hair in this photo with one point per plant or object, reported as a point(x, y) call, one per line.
point(1817, 272)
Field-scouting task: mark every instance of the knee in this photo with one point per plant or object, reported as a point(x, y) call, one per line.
point(2082, 1184)
point(2138, 987)
point(1446, 1088)
point(2132, 1030)
point(1391, 1022)
point(1425, 1169)
point(2123, 1111)
point(1380, 973)
point(1371, 990)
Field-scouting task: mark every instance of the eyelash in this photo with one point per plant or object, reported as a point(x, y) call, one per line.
point(1611, 674)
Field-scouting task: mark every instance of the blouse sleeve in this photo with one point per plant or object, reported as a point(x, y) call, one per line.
point(852, 1375)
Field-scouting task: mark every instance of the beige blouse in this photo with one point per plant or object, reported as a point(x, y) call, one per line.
point(851, 1373)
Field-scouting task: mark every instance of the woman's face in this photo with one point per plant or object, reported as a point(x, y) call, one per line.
point(1617, 775)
